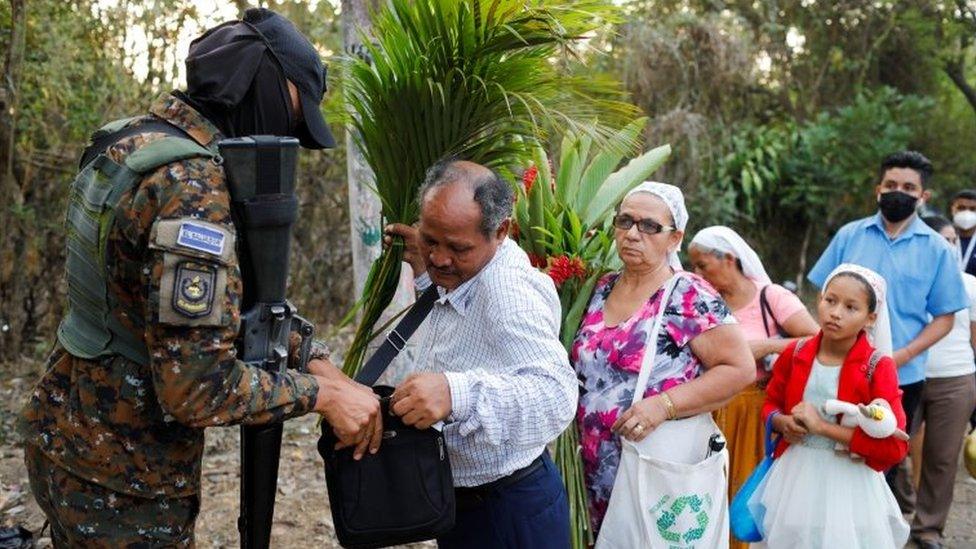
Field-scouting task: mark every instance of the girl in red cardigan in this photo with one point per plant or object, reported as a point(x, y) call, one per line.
point(813, 496)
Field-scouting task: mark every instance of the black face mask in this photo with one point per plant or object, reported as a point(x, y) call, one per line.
point(896, 206)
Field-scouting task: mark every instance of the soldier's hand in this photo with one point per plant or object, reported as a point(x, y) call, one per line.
point(353, 412)
point(323, 367)
point(412, 252)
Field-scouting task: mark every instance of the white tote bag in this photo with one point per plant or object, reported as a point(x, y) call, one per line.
point(669, 492)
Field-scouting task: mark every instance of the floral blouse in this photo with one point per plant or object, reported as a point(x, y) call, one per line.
point(607, 360)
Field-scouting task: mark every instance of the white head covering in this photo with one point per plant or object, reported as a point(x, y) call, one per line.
point(727, 241)
point(880, 334)
point(675, 201)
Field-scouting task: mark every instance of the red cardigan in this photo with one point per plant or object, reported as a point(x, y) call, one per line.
point(785, 390)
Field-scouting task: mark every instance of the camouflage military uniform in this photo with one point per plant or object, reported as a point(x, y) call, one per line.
point(102, 430)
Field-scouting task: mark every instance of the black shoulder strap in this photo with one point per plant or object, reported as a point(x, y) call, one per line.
point(397, 339)
point(767, 313)
point(103, 142)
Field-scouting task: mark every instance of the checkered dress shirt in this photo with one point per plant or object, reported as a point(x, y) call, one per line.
point(496, 338)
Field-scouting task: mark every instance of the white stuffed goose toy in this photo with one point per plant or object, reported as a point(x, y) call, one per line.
point(876, 419)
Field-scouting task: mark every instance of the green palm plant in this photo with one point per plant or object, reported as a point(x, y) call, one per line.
point(468, 79)
point(563, 219)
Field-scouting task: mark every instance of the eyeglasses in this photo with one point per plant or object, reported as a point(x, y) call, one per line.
point(647, 226)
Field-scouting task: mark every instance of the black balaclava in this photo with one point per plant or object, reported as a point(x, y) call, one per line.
point(234, 80)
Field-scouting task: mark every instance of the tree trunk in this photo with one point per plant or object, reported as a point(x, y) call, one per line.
point(956, 72)
point(9, 95)
point(11, 285)
point(364, 205)
point(365, 208)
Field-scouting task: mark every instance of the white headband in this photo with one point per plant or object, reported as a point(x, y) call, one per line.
point(880, 334)
point(727, 241)
point(674, 199)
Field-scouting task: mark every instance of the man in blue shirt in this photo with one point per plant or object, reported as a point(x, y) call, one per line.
point(924, 283)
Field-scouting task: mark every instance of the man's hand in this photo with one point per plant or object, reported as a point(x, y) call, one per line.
point(411, 245)
point(351, 409)
point(422, 400)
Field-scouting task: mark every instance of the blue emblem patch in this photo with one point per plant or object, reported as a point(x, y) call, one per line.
point(201, 238)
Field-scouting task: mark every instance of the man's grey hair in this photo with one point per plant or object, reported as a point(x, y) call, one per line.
point(491, 192)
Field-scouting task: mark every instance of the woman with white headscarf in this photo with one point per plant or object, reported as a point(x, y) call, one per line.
point(770, 317)
point(697, 362)
point(814, 496)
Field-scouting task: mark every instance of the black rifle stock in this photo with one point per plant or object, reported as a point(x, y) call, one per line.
point(261, 177)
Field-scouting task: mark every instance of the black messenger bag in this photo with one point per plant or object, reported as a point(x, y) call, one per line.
point(405, 492)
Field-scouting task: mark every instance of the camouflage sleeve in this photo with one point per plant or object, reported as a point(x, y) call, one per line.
point(194, 291)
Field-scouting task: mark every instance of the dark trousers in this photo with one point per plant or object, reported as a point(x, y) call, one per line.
point(899, 477)
point(532, 513)
point(946, 403)
point(972, 417)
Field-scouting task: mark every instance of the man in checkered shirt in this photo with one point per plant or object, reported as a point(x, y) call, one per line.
point(490, 364)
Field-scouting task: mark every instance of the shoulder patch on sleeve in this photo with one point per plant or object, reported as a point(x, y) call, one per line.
point(197, 236)
point(191, 292)
point(194, 237)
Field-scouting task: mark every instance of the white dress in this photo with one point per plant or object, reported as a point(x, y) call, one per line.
point(814, 498)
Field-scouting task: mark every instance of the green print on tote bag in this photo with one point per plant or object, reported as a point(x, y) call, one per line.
point(685, 520)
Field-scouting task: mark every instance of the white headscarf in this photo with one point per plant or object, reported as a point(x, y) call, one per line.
point(675, 201)
point(727, 241)
point(880, 333)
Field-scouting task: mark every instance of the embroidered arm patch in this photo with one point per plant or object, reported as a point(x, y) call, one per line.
point(196, 257)
point(194, 237)
point(197, 236)
point(191, 292)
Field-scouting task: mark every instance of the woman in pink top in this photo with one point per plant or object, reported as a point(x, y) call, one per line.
point(769, 315)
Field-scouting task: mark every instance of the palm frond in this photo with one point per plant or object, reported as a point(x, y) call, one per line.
point(469, 79)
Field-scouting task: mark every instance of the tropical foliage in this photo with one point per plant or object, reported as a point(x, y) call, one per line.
point(563, 222)
point(468, 79)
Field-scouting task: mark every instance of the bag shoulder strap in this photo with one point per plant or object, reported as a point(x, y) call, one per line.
point(650, 347)
point(876, 357)
point(396, 340)
point(796, 348)
point(766, 311)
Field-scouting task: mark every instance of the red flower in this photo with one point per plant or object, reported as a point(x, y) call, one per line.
point(538, 262)
point(528, 178)
point(562, 268)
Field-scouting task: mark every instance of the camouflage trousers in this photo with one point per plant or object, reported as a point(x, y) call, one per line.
point(83, 514)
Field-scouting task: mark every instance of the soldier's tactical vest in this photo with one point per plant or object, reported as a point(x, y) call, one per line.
point(89, 330)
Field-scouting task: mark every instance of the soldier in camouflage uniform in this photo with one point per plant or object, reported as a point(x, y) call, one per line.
point(113, 447)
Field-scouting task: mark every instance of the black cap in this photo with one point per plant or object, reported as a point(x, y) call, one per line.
point(302, 66)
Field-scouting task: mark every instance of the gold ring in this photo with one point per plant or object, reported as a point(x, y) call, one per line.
point(638, 428)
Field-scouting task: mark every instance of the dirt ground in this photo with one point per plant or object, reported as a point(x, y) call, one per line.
point(302, 517)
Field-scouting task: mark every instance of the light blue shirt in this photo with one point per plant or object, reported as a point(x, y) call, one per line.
point(921, 271)
point(496, 339)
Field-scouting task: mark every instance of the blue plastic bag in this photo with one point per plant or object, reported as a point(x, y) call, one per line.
point(741, 520)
